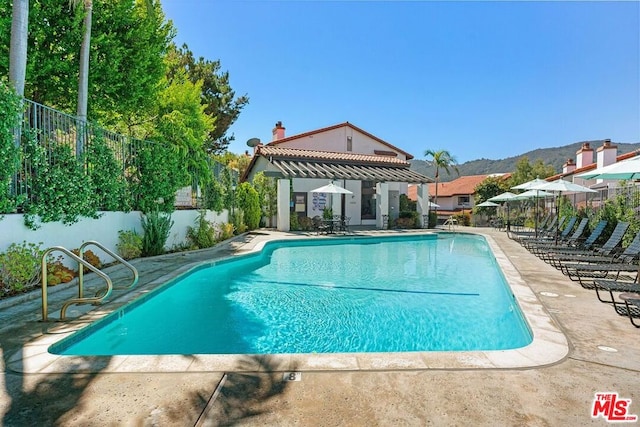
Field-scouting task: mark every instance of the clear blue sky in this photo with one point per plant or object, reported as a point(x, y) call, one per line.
point(480, 79)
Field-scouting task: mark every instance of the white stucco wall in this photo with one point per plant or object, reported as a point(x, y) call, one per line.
point(336, 140)
point(104, 230)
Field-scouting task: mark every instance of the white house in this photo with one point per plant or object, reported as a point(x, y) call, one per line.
point(374, 171)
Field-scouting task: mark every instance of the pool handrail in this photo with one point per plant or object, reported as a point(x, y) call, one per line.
point(114, 256)
point(80, 299)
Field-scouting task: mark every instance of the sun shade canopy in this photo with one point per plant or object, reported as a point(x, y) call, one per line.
point(294, 163)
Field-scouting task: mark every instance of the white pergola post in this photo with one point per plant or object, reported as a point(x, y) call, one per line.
point(284, 200)
point(382, 202)
point(423, 204)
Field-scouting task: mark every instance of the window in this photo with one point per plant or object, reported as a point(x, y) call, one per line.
point(368, 202)
point(349, 144)
point(463, 200)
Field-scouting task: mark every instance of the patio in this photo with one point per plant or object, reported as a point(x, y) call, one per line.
point(560, 393)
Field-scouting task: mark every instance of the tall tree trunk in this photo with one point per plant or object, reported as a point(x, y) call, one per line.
point(18, 48)
point(83, 79)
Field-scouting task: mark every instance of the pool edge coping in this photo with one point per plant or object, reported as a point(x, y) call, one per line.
point(549, 345)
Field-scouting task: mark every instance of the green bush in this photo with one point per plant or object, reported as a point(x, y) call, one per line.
point(203, 235)
point(249, 202)
point(156, 228)
point(20, 267)
point(129, 244)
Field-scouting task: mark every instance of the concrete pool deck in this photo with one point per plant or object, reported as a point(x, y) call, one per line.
point(551, 382)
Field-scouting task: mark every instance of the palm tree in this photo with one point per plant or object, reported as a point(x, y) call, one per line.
point(441, 159)
point(18, 47)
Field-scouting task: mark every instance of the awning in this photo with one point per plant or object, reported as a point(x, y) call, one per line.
point(291, 168)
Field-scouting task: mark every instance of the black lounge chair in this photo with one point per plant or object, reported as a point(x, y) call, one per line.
point(632, 307)
point(546, 227)
point(619, 267)
point(612, 286)
point(572, 240)
point(558, 259)
point(579, 246)
point(551, 239)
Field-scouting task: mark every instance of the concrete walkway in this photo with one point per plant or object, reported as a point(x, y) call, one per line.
point(158, 391)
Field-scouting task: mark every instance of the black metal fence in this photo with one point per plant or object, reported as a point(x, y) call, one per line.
point(53, 128)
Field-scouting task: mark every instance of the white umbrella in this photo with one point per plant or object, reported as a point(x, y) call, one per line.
point(487, 204)
point(504, 197)
point(625, 170)
point(331, 188)
point(529, 194)
point(433, 205)
point(531, 185)
point(561, 186)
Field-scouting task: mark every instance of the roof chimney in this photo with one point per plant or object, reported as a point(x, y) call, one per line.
point(606, 154)
point(584, 156)
point(569, 166)
point(278, 131)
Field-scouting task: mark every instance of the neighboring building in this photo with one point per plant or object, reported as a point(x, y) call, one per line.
point(455, 196)
point(373, 170)
point(588, 159)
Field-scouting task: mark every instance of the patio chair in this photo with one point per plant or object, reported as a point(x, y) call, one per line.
point(557, 259)
point(545, 227)
point(632, 307)
point(319, 225)
point(572, 240)
point(619, 267)
point(611, 286)
point(580, 245)
point(344, 224)
point(551, 237)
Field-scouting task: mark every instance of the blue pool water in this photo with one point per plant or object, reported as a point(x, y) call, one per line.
point(387, 294)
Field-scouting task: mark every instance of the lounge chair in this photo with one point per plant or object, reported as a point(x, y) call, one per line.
point(579, 245)
point(632, 307)
point(572, 240)
point(619, 267)
point(553, 237)
point(612, 286)
point(546, 227)
point(559, 258)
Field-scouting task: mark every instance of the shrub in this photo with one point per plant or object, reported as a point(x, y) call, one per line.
point(90, 257)
point(203, 235)
point(156, 228)
point(129, 244)
point(305, 223)
point(20, 267)
point(227, 230)
point(57, 272)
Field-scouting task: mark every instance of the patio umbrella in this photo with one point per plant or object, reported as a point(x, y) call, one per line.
point(433, 205)
point(331, 188)
point(530, 185)
point(625, 170)
point(487, 204)
point(504, 197)
point(561, 186)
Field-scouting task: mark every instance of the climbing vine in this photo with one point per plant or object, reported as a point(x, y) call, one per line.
point(9, 120)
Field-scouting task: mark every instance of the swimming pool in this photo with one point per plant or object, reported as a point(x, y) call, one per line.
point(365, 294)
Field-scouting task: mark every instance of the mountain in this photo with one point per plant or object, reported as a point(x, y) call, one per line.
point(556, 156)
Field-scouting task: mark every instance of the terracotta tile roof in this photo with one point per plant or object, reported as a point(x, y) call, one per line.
point(299, 163)
point(295, 153)
point(317, 131)
point(460, 186)
point(592, 166)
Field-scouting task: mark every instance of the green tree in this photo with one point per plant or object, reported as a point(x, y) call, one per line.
point(128, 44)
point(217, 95)
point(525, 171)
point(268, 195)
point(182, 121)
point(441, 160)
point(9, 119)
point(491, 186)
